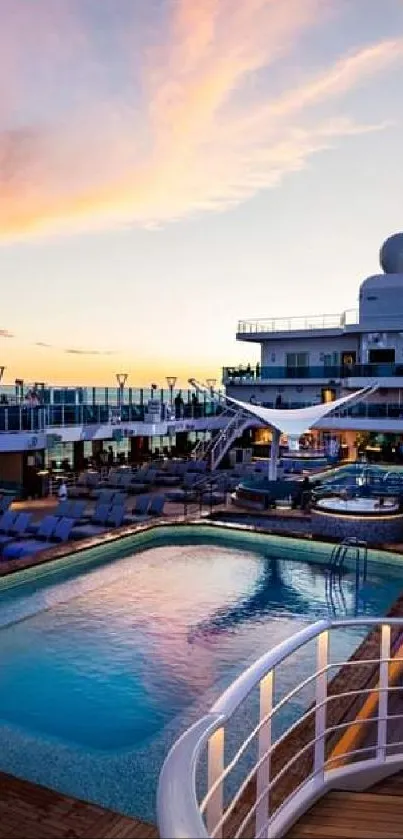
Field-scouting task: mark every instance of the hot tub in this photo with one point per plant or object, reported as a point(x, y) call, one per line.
point(367, 519)
point(366, 506)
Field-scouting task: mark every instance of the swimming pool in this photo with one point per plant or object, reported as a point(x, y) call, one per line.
point(107, 656)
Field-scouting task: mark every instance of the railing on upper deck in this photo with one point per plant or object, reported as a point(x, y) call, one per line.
point(43, 417)
point(247, 375)
point(271, 793)
point(297, 324)
point(15, 419)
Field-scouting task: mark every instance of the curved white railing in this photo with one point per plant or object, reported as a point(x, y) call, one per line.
point(181, 815)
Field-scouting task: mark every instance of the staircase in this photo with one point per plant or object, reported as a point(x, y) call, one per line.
point(215, 450)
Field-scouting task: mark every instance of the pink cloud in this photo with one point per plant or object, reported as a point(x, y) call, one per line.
point(199, 137)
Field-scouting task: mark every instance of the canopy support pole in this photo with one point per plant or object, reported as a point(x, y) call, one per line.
point(274, 453)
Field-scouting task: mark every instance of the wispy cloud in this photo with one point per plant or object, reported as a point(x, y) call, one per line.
point(197, 128)
point(4, 333)
point(72, 351)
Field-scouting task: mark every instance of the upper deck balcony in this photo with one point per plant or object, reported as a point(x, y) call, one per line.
point(348, 373)
point(256, 330)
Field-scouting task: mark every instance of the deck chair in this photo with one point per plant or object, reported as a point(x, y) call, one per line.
point(125, 480)
point(5, 503)
point(77, 510)
point(111, 481)
point(62, 530)
point(150, 477)
point(17, 529)
point(115, 517)
point(156, 507)
point(138, 477)
point(135, 487)
point(7, 520)
point(63, 508)
point(139, 512)
point(104, 496)
point(59, 533)
point(118, 499)
point(80, 487)
point(19, 547)
point(96, 525)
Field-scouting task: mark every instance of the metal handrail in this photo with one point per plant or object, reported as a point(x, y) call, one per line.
point(180, 813)
point(333, 321)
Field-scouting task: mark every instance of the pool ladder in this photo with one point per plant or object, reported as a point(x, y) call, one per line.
point(348, 549)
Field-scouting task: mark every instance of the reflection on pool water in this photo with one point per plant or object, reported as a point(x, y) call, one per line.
point(99, 673)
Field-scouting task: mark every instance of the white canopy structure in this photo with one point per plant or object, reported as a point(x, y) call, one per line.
point(295, 422)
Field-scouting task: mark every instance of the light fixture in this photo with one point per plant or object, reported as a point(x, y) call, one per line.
point(211, 383)
point(19, 389)
point(171, 382)
point(121, 379)
point(2, 369)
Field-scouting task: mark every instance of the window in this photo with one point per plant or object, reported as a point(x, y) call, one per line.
point(381, 356)
point(297, 359)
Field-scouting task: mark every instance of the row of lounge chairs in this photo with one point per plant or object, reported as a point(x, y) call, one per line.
point(21, 537)
point(16, 541)
point(109, 514)
point(90, 485)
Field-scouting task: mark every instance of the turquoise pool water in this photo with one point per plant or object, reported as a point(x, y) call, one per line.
point(107, 657)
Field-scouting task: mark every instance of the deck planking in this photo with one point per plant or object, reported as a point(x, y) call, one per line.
point(28, 811)
point(374, 814)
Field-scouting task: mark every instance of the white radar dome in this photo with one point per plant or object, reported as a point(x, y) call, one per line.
point(391, 254)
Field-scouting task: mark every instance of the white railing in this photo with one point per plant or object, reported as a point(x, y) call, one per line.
point(219, 445)
point(296, 324)
point(182, 815)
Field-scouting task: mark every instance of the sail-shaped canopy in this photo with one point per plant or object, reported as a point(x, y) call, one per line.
point(296, 421)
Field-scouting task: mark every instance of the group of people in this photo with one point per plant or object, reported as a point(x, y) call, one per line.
point(180, 405)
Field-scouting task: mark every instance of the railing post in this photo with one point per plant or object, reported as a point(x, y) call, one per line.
point(263, 774)
point(215, 769)
point(383, 692)
point(320, 702)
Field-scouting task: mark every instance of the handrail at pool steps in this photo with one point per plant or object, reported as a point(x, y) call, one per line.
point(289, 773)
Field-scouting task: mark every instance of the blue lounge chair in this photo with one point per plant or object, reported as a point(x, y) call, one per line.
point(7, 520)
point(116, 516)
point(16, 530)
point(156, 507)
point(5, 503)
point(102, 521)
point(77, 510)
point(139, 512)
point(52, 530)
point(103, 496)
point(46, 528)
point(96, 524)
point(85, 485)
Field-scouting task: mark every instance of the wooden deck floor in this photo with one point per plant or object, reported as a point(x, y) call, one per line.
point(28, 811)
point(375, 814)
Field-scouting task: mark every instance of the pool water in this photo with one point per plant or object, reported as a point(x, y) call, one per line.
point(101, 671)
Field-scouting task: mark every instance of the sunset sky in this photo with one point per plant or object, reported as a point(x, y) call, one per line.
point(168, 167)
